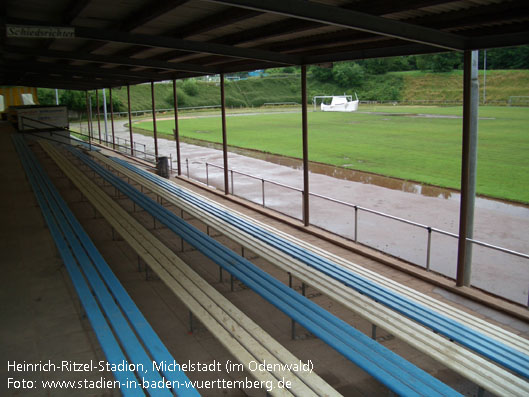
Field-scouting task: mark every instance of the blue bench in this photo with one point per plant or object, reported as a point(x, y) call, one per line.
point(387, 367)
point(494, 350)
point(82, 260)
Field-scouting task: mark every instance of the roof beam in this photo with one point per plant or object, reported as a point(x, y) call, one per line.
point(210, 22)
point(183, 45)
point(33, 80)
point(110, 59)
point(384, 7)
point(291, 25)
point(202, 25)
point(72, 11)
point(500, 40)
point(279, 28)
point(350, 19)
point(446, 21)
point(88, 71)
point(387, 51)
point(149, 11)
point(155, 41)
point(74, 8)
point(475, 16)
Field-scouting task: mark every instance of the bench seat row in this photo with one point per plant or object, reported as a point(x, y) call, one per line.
point(387, 367)
point(264, 241)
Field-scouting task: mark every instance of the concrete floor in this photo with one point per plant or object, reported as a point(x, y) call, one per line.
point(41, 319)
point(496, 223)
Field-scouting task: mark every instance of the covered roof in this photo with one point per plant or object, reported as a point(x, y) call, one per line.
point(120, 42)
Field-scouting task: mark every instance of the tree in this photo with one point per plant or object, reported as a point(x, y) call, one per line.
point(190, 87)
point(423, 62)
point(46, 96)
point(438, 63)
point(377, 65)
point(446, 62)
point(74, 100)
point(321, 74)
point(182, 98)
point(507, 58)
point(348, 74)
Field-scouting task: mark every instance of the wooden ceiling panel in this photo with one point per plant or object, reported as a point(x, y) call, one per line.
point(141, 40)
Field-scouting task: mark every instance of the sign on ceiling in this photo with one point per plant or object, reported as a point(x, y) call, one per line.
point(39, 32)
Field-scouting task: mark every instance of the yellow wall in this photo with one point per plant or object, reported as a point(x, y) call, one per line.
point(12, 95)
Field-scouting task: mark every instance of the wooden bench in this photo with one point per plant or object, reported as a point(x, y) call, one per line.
point(106, 310)
point(482, 372)
point(390, 369)
point(242, 337)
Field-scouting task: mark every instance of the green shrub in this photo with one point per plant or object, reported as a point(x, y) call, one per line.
point(181, 97)
point(348, 74)
point(190, 87)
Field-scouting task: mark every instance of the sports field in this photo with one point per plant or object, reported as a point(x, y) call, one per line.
point(415, 143)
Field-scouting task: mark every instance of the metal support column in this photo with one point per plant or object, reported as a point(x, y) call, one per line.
point(112, 119)
point(176, 131)
point(468, 167)
point(105, 114)
point(98, 116)
point(154, 121)
point(224, 139)
point(305, 145)
point(130, 122)
point(88, 116)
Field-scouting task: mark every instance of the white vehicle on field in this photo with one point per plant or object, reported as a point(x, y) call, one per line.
point(339, 103)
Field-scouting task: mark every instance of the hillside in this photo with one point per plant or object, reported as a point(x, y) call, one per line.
point(393, 86)
point(500, 84)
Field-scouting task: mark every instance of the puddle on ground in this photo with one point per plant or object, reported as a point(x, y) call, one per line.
point(510, 208)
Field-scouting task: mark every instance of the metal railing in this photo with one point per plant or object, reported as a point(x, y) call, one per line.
point(262, 200)
point(280, 103)
point(298, 214)
point(121, 144)
point(137, 113)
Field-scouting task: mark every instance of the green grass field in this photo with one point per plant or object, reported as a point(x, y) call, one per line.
point(393, 143)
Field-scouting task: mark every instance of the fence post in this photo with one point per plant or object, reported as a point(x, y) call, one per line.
point(356, 224)
point(232, 189)
point(303, 207)
point(187, 166)
point(428, 248)
point(130, 120)
point(207, 175)
point(263, 190)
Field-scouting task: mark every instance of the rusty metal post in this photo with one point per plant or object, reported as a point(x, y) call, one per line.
point(88, 116)
point(112, 118)
point(468, 167)
point(306, 220)
point(224, 139)
point(98, 116)
point(130, 122)
point(154, 121)
point(176, 131)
